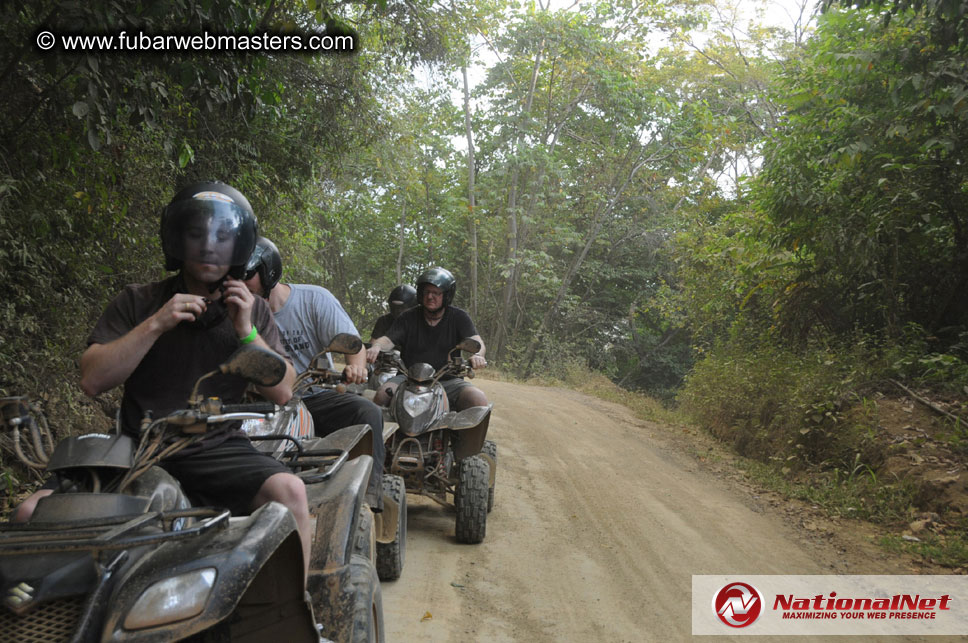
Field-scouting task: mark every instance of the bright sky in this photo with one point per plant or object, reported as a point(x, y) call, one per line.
point(784, 13)
point(792, 15)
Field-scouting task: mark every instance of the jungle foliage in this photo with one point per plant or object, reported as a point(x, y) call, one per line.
point(845, 264)
point(762, 220)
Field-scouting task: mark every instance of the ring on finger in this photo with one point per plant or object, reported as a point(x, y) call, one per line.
point(188, 306)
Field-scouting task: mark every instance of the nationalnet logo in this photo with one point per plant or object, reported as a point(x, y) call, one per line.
point(738, 604)
point(898, 606)
point(830, 605)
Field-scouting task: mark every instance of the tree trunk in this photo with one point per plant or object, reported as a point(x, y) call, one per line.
point(601, 216)
point(471, 203)
point(510, 285)
point(403, 236)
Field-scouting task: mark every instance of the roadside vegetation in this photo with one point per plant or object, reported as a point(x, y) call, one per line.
point(758, 229)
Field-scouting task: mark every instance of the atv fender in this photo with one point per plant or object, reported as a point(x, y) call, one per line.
point(357, 439)
point(385, 522)
point(334, 505)
point(67, 507)
point(337, 508)
point(161, 489)
point(92, 450)
point(389, 428)
point(258, 584)
point(472, 425)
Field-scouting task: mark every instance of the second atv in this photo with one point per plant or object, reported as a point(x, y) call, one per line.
point(442, 454)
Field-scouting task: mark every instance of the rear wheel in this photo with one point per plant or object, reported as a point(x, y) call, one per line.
point(470, 499)
point(390, 556)
point(490, 450)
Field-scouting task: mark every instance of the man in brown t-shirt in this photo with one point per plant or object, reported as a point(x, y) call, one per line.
point(157, 339)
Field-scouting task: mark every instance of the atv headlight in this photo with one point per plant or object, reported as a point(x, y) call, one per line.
point(417, 403)
point(172, 599)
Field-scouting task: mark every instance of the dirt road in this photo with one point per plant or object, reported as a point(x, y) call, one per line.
point(599, 522)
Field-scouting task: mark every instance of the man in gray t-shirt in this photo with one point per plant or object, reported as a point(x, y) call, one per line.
point(309, 317)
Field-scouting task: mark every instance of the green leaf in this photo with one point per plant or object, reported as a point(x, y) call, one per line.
point(186, 155)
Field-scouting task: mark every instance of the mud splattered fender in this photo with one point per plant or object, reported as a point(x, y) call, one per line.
point(238, 554)
point(335, 507)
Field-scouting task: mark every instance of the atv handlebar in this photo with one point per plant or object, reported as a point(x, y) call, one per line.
point(456, 365)
point(322, 378)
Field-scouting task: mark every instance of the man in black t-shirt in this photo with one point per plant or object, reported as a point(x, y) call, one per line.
point(157, 339)
point(427, 334)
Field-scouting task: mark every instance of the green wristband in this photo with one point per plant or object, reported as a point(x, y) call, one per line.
point(248, 339)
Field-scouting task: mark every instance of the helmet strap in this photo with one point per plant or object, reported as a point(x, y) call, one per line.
point(218, 285)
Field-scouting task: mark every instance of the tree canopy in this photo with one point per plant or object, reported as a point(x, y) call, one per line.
point(621, 186)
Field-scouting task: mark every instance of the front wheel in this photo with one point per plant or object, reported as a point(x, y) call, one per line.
point(470, 499)
point(489, 451)
point(390, 556)
point(367, 602)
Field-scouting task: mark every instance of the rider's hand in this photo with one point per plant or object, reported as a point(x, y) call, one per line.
point(354, 374)
point(181, 307)
point(239, 301)
point(478, 362)
point(371, 353)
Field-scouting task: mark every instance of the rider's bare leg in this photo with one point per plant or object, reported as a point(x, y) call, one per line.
point(289, 490)
point(471, 396)
point(26, 508)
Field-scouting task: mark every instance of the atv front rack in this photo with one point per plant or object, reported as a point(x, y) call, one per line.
point(299, 458)
point(318, 459)
point(325, 462)
point(110, 533)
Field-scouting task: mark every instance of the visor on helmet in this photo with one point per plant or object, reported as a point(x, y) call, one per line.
point(209, 231)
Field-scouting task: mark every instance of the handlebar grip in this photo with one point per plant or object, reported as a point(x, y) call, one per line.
point(251, 407)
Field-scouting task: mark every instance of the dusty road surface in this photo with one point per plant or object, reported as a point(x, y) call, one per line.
point(599, 522)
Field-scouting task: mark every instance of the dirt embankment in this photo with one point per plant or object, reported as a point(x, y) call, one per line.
point(600, 521)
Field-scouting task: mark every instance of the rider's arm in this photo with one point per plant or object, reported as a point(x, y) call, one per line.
point(281, 392)
point(477, 359)
point(107, 364)
point(377, 346)
point(355, 371)
point(104, 366)
point(481, 342)
point(252, 312)
point(465, 328)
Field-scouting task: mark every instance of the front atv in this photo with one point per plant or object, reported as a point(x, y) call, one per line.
point(116, 554)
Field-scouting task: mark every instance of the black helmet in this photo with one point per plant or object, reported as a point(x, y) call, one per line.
point(266, 261)
point(403, 297)
point(441, 278)
point(208, 222)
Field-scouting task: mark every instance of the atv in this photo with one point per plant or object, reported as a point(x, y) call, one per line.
point(290, 431)
point(441, 454)
point(117, 552)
